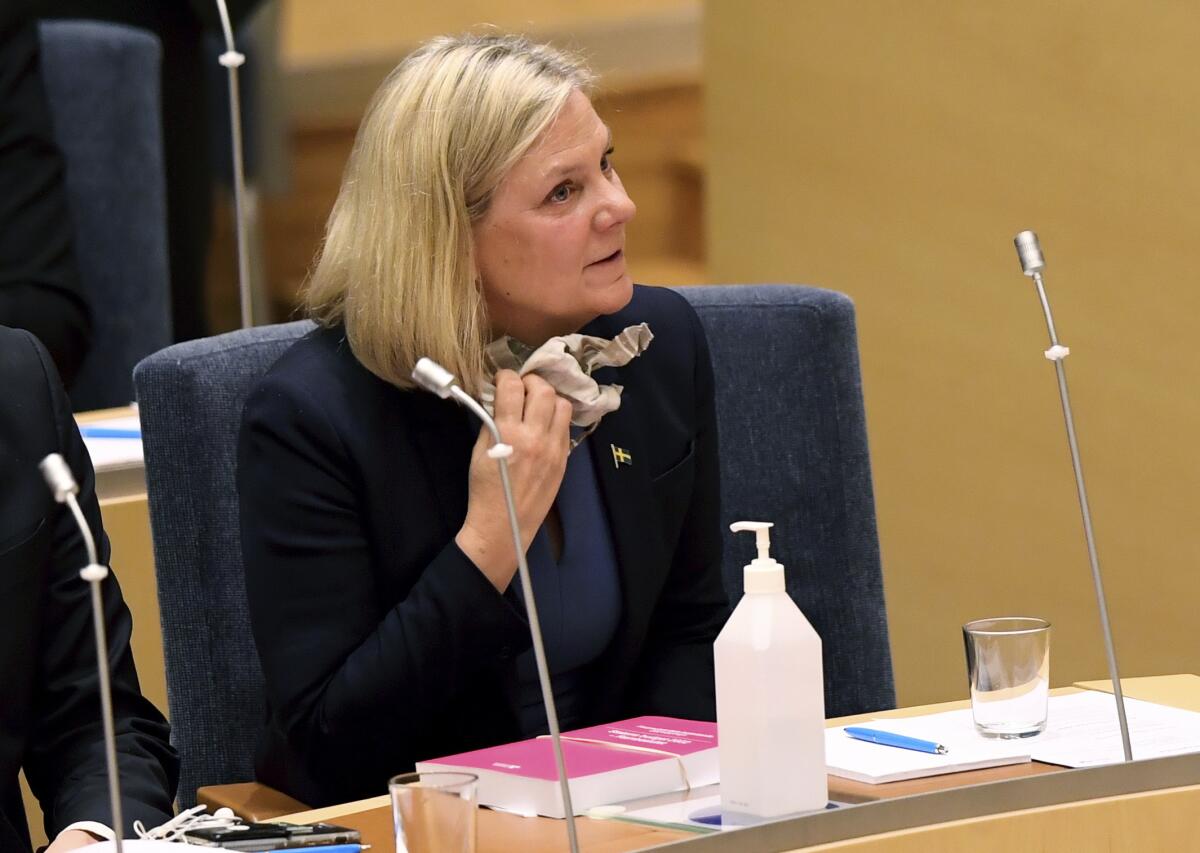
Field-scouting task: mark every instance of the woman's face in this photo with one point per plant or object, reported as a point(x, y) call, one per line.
point(550, 249)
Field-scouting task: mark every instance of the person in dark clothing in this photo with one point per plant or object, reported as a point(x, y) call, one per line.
point(50, 721)
point(180, 27)
point(39, 281)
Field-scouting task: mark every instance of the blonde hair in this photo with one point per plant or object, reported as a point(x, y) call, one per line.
point(397, 264)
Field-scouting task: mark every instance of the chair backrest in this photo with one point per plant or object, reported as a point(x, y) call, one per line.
point(793, 436)
point(793, 451)
point(102, 84)
point(190, 397)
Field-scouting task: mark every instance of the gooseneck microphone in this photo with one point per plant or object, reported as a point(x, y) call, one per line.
point(61, 481)
point(1032, 263)
point(436, 379)
point(231, 60)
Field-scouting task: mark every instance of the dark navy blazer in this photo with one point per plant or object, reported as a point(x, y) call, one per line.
point(381, 643)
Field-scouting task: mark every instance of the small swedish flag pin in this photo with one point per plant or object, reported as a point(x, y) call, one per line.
point(621, 456)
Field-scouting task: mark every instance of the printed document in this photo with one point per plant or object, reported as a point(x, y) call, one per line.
point(1081, 730)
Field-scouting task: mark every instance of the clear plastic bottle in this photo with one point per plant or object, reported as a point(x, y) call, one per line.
point(770, 699)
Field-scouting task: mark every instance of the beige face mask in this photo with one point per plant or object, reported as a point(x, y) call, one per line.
point(567, 362)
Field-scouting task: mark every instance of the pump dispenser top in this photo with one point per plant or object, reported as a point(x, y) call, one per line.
point(763, 575)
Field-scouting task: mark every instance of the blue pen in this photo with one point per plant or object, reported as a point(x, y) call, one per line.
point(108, 432)
point(889, 739)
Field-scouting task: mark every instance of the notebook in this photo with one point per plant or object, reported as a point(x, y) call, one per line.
point(874, 763)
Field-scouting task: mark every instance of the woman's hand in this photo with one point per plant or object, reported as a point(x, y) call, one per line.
point(536, 422)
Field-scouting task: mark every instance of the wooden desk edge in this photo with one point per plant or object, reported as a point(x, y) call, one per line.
point(94, 415)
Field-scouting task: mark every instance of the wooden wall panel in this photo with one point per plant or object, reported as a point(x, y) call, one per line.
point(891, 150)
point(320, 32)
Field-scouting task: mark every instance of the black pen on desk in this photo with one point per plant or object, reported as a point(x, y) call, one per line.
point(900, 741)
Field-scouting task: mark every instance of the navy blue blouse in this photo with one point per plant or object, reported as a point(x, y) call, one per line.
point(578, 600)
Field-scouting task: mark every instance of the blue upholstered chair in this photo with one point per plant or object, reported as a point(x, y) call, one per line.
point(793, 439)
point(190, 398)
point(102, 84)
point(793, 451)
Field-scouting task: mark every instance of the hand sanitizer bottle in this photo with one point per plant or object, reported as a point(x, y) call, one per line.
point(770, 699)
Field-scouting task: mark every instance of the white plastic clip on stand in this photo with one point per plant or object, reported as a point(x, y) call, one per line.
point(61, 481)
point(438, 380)
point(1032, 263)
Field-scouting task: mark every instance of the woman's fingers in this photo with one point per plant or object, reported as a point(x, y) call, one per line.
point(539, 402)
point(510, 396)
point(561, 423)
point(529, 399)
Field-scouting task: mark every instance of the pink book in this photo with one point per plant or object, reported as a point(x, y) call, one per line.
point(605, 764)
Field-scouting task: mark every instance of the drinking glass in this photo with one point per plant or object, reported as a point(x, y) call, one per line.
point(1008, 667)
point(434, 812)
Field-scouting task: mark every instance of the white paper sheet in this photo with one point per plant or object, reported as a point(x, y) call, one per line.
point(112, 453)
point(1081, 730)
point(676, 814)
point(682, 815)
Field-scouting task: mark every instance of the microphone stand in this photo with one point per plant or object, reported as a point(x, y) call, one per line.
point(231, 59)
point(1032, 264)
point(58, 477)
point(433, 377)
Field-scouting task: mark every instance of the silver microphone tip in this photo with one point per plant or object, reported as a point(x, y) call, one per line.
point(57, 474)
point(1030, 253)
point(433, 377)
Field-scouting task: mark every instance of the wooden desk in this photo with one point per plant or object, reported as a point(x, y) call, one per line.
point(505, 832)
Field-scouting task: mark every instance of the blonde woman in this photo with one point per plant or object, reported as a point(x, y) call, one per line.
point(480, 205)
